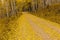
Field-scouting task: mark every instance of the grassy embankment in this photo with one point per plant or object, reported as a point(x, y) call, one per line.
point(51, 13)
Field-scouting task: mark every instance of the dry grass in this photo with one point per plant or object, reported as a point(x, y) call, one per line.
point(51, 13)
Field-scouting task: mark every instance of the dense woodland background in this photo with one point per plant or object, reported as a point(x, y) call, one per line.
point(48, 9)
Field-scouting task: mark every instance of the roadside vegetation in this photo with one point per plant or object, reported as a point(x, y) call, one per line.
point(51, 13)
